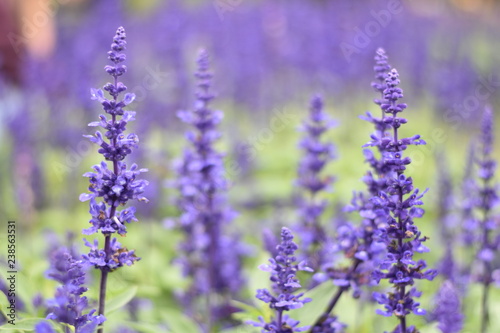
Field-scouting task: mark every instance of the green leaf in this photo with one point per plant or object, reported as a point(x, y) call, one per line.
point(242, 329)
point(430, 328)
point(4, 303)
point(144, 327)
point(249, 312)
point(121, 300)
point(178, 322)
point(27, 324)
point(321, 296)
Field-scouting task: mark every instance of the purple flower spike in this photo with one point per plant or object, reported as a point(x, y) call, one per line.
point(68, 305)
point(283, 268)
point(316, 155)
point(210, 255)
point(486, 192)
point(448, 310)
point(112, 187)
point(398, 204)
point(359, 244)
point(119, 184)
point(470, 223)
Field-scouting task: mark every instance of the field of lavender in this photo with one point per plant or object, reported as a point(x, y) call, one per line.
point(244, 166)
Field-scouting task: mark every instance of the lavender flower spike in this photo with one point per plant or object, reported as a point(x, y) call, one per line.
point(400, 201)
point(112, 187)
point(68, 305)
point(283, 269)
point(317, 154)
point(209, 254)
point(488, 200)
point(358, 243)
point(448, 310)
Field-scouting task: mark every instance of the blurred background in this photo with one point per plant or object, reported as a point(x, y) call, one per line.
point(269, 57)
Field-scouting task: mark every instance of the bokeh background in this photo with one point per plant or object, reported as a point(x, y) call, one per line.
point(269, 57)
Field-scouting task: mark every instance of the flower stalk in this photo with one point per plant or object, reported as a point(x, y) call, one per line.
point(112, 188)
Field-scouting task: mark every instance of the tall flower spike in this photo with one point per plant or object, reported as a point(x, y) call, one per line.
point(283, 269)
point(316, 155)
point(211, 256)
point(112, 187)
point(448, 309)
point(468, 203)
point(400, 202)
point(68, 305)
point(488, 199)
point(447, 222)
point(358, 243)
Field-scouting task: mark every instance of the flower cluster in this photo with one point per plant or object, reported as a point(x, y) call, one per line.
point(400, 202)
point(488, 198)
point(316, 156)
point(283, 269)
point(120, 256)
point(358, 242)
point(118, 185)
point(448, 310)
point(208, 253)
point(69, 304)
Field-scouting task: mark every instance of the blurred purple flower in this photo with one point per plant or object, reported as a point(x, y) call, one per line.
point(208, 254)
point(469, 221)
point(69, 304)
point(487, 195)
point(447, 266)
point(316, 156)
point(44, 327)
point(448, 309)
